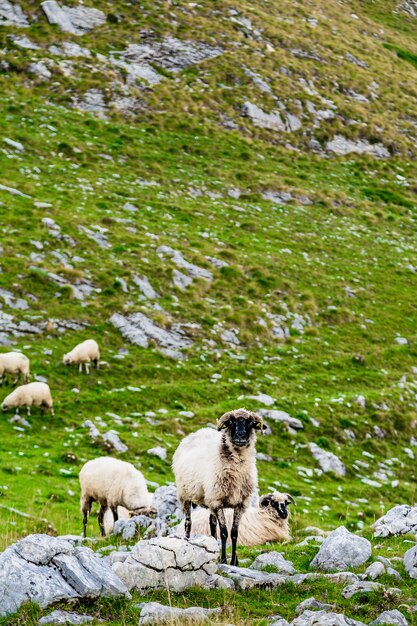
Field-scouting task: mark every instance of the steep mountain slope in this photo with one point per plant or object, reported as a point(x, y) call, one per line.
point(232, 187)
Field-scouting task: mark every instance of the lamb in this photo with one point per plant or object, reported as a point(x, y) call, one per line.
point(85, 352)
point(14, 363)
point(216, 469)
point(32, 394)
point(267, 521)
point(112, 483)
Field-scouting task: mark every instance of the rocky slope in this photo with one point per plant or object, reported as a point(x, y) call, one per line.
point(223, 196)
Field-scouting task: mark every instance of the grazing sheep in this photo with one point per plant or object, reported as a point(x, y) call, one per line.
point(216, 469)
point(14, 363)
point(267, 521)
point(86, 352)
point(112, 483)
point(33, 394)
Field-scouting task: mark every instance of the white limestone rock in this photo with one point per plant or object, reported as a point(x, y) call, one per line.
point(342, 550)
point(328, 461)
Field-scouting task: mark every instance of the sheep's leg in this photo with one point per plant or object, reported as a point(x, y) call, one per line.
point(223, 532)
point(86, 510)
point(80, 368)
point(115, 513)
point(213, 525)
point(95, 361)
point(234, 533)
point(28, 410)
point(187, 523)
point(101, 519)
point(16, 381)
point(87, 367)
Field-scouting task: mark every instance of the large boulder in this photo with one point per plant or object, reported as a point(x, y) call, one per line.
point(47, 569)
point(342, 550)
point(399, 520)
point(169, 562)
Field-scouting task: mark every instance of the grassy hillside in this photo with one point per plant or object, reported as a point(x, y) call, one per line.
point(183, 168)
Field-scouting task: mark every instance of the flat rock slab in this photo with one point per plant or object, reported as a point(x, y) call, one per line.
point(321, 618)
point(410, 562)
point(342, 146)
point(46, 569)
point(337, 578)
point(66, 617)
point(245, 578)
point(169, 563)
point(342, 550)
point(155, 613)
point(328, 461)
point(140, 330)
point(394, 617)
point(76, 20)
point(11, 14)
point(399, 520)
point(274, 559)
point(367, 587)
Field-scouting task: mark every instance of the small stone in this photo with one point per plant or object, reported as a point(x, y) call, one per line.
point(159, 452)
point(245, 578)
point(66, 617)
point(313, 605)
point(375, 570)
point(361, 587)
point(323, 618)
point(394, 617)
point(274, 559)
point(328, 461)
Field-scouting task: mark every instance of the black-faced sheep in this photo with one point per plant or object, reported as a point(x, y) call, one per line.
point(86, 352)
point(14, 363)
point(112, 483)
point(267, 521)
point(216, 469)
point(33, 394)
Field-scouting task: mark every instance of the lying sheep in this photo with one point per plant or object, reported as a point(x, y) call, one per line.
point(14, 363)
point(33, 394)
point(86, 352)
point(216, 469)
point(112, 483)
point(268, 521)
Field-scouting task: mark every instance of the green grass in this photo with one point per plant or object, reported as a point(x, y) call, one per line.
point(345, 262)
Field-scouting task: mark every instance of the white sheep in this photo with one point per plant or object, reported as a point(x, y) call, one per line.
point(86, 352)
point(112, 483)
point(32, 394)
point(216, 469)
point(267, 521)
point(14, 363)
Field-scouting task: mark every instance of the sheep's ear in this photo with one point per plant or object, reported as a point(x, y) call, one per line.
point(265, 501)
point(290, 500)
point(222, 425)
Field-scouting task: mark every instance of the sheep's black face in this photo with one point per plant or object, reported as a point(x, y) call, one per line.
point(240, 431)
point(280, 506)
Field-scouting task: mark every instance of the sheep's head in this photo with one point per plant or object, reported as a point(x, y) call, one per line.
point(67, 360)
point(240, 424)
point(278, 502)
point(4, 406)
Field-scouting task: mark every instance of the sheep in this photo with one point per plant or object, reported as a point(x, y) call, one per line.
point(14, 363)
point(216, 469)
point(85, 352)
point(112, 483)
point(32, 394)
point(267, 521)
